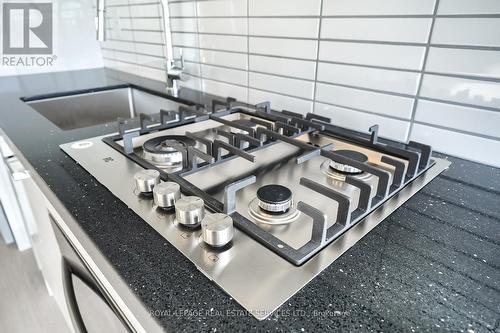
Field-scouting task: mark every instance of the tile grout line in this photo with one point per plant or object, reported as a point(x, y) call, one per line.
point(422, 73)
point(248, 52)
point(202, 85)
point(317, 58)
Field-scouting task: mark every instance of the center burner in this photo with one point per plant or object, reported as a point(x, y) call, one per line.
point(273, 205)
point(163, 151)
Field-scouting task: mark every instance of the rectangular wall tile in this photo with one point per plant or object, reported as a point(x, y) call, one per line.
point(183, 24)
point(229, 59)
point(293, 87)
point(225, 43)
point(397, 56)
point(284, 7)
point(459, 117)
point(235, 26)
point(415, 30)
point(288, 67)
point(280, 102)
point(284, 27)
point(373, 78)
point(379, 7)
point(182, 9)
point(293, 48)
point(465, 62)
point(467, 31)
point(224, 74)
point(185, 39)
point(222, 8)
point(474, 92)
point(224, 90)
point(458, 144)
point(384, 104)
point(389, 128)
point(447, 7)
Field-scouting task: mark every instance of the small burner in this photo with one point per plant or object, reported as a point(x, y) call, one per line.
point(348, 169)
point(274, 198)
point(161, 152)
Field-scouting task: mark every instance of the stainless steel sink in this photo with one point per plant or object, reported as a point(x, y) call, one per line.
point(99, 107)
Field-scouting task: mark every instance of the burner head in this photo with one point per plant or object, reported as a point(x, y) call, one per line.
point(161, 152)
point(274, 198)
point(348, 169)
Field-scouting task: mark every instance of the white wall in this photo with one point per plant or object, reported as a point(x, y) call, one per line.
point(75, 44)
point(424, 70)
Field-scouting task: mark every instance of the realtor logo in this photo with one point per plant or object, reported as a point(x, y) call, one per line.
point(27, 28)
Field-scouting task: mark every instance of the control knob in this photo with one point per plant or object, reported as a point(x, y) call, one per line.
point(166, 194)
point(145, 180)
point(190, 211)
point(217, 229)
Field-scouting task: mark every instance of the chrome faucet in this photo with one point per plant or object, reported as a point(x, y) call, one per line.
point(99, 20)
point(174, 68)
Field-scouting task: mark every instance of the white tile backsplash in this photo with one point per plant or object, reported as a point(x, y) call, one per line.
point(396, 56)
point(280, 102)
point(183, 24)
point(234, 26)
point(286, 86)
point(378, 7)
point(224, 89)
point(466, 62)
point(473, 92)
point(284, 27)
point(459, 117)
point(303, 69)
point(458, 144)
point(292, 48)
point(447, 7)
point(185, 39)
point(467, 31)
point(182, 9)
point(284, 7)
point(225, 43)
point(365, 68)
point(414, 30)
point(371, 78)
point(395, 106)
point(222, 8)
point(221, 58)
point(359, 121)
point(233, 76)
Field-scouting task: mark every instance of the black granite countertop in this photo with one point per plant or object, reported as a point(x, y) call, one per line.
point(434, 264)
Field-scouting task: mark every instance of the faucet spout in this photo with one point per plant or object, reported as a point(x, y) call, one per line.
point(174, 67)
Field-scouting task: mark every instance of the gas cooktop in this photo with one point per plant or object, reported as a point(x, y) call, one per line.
point(260, 201)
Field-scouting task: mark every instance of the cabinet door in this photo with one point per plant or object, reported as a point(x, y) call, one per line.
point(89, 307)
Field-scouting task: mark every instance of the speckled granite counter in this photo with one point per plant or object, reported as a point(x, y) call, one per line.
point(434, 264)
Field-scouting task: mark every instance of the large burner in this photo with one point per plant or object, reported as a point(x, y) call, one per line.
point(162, 150)
point(345, 168)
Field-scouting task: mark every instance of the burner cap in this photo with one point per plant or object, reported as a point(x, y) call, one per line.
point(159, 150)
point(160, 143)
point(274, 198)
point(348, 169)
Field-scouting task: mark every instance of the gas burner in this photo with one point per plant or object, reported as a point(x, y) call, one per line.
point(274, 198)
point(273, 205)
point(161, 152)
point(345, 168)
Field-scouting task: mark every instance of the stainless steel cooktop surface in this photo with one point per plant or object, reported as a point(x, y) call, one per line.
point(260, 201)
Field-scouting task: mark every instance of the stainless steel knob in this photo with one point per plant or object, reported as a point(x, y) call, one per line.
point(145, 180)
point(166, 194)
point(190, 211)
point(217, 229)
